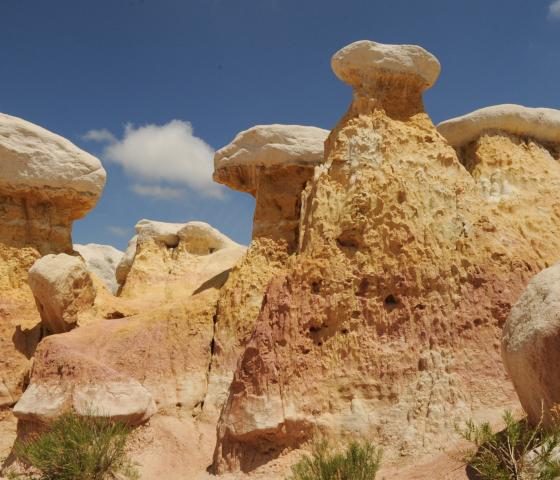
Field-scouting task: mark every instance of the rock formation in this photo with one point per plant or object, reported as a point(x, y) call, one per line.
point(102, 260)
point(157, 360)
point(530, 345)
point(46, 183)
point(273, 163)
point(513, 154)
point(62, 288)
point(386, 323)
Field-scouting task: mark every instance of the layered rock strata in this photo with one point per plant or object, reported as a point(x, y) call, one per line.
point(387, 321)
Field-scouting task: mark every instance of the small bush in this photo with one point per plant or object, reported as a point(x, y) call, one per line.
point(519, 452)
point(360, 461)
point(79, 448)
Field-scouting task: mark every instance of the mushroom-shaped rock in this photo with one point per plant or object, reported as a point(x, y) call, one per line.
point(395, 75)
point(102, 260)
point(531, 345)
point(542, 124)
point(513, 154)
point(46, 183)
point(273, 163)
point(62, 288)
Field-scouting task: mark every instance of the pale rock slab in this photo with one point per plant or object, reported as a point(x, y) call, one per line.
point(62, 288)
point(102, 260)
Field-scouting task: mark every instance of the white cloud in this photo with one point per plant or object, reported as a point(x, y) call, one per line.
point(157, 191)
point(169, 153)
point(118, 231)
point(101, 135)
point(554, 9)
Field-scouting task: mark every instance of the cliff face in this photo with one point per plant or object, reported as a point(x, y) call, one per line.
point(387, 321)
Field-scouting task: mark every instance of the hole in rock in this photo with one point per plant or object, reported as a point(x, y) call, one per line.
point(316, 287)
point(114, 315)
point(390, 302)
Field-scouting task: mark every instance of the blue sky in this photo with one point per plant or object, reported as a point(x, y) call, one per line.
point(162, 82)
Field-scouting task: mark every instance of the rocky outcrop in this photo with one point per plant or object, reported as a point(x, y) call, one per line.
point(46, 183)
point(513, 154)
point(102, 260)
point(530, 345)
point(386, 323)
point(273, 163)
point(62, 288)
point(157, 360)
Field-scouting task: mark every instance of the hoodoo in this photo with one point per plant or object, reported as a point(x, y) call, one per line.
point(386, 324)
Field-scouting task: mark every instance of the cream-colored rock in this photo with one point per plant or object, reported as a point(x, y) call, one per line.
point(542, 124)
point(364, 63)
point(102, 260)
point(125, 264)
point(62, 287)
point(531, 345)
point(46, 183)
point(387, 320)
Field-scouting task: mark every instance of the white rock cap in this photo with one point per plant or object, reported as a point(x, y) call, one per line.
point(267, 145)
point(542, 124)
point(31, 156)
point(361, 63)
point(102, 260)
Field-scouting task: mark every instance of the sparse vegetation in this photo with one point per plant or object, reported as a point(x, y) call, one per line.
point(360, 461)
point(519, 452)
point(78, 448)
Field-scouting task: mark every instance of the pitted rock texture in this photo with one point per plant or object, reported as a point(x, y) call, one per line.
point(102, 260)
point(530, 346)
point(508, 150)
point(46, 183)
point(387, 322)
point(62, 288)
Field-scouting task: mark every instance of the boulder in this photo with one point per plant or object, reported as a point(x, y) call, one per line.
point(62, 288)
point(387, 320)
point(101, 260)
point(530, 345)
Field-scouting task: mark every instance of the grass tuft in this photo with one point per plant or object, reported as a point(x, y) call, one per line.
point(360, 461)
point(78, 448)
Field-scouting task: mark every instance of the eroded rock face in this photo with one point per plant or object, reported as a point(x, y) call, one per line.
point(62, 288)
point(513, 154)
point(158, 360)
point(46, 183)
point(102, 260)
point(530, 345)
point(387, 321)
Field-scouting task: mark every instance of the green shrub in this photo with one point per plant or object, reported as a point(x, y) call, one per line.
point(519, 452)
point(360, 461)
point(79, 448)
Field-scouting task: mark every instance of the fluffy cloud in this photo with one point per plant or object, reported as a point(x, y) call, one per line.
point(162, 153)
point(157, 191)
point(554, 9)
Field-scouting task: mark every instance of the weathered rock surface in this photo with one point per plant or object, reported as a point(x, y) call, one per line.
point(102, 260)
point(274, 164)
point(46, 183)
point(387, 322)
point(158, 360)
point(513, 154)
point(62, 288)
point(530, 345)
